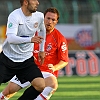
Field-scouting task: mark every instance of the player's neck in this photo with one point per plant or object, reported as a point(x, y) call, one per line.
point(49, 31)
point(26, 12)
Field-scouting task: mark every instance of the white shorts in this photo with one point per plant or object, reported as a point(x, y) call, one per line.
point(26, 84)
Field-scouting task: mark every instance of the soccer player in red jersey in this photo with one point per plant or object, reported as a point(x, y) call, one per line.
point(56, 51)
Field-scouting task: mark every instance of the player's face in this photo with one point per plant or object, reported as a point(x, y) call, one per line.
point(50, 21)
point(32, 5)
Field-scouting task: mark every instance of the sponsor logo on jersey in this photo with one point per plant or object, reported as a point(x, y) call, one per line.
point(64, 47)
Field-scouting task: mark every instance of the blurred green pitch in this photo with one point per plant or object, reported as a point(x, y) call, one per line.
point(73, 88)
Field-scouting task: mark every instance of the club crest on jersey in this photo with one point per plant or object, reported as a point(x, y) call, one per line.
point(10, 25)
point(36, 25)
point(49, 46)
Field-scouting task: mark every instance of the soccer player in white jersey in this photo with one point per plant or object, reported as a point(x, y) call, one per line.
point(56, 58)
point(16, 57)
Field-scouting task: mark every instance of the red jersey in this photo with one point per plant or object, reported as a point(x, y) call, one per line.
point(56, 49)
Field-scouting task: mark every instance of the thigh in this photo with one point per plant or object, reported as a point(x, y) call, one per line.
point(33, 73)
point(50, 80)
point(29, 72)
point(11, 88)
point(5, 73)
point(38, 83)
point(2, 71)
point(15, 80)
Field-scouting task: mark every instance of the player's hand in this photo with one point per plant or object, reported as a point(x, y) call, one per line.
point(51, 67)
point(41, 56)
point(36, 39)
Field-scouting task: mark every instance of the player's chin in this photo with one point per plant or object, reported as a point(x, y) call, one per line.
point(32, 11)
point(35, 8)
point(48, 28)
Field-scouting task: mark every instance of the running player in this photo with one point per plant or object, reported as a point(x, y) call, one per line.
point(56, 58)
point(16, 57)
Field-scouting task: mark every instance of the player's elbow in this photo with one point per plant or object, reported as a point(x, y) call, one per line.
point(10, 38)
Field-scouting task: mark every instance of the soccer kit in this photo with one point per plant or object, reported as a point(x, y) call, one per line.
point(56, 49)
point(26, 84)
point(16, 57)
point(20, 29)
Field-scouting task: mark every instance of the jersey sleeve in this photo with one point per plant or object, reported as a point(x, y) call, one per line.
point(42, 33)
point(12, 29)
point(62, 49)
point(12, 24)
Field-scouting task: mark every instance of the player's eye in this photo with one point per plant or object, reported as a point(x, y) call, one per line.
point(48, 18)
point(51, 19)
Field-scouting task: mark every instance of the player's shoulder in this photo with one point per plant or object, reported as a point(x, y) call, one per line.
point(15, 13)
point(38, 14)
point(58, 33)
point(16, 16)
point(59, 36)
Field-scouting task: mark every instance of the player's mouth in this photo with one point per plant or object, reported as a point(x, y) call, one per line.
point(48, 25)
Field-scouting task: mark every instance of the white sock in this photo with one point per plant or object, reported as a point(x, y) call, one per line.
point(46, 94)
point(2, 97)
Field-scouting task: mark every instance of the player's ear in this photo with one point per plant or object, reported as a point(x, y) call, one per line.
point(57, 21)
point(26, 2)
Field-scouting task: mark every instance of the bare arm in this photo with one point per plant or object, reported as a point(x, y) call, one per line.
point(58, 66)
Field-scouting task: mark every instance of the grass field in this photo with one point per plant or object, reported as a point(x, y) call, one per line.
point(74, 88)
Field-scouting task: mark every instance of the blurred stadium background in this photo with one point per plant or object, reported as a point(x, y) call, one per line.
point(80, 23)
